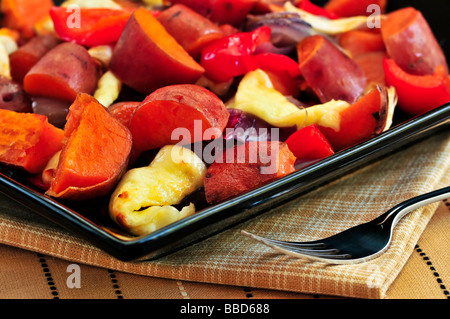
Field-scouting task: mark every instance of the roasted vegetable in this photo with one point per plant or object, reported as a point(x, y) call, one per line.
point(157, 58)
point(27, 141)
point(145, 198)
point(95, 153)
point(243, 168)
point(175, 114)
point(63, 72)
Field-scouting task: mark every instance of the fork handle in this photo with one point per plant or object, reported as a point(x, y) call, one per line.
point(396, 213)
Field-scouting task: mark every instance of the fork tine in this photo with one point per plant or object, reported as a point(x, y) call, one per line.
point(312, 246)
point(306, 245)
point(287, 248)
point(318, 248)
point(299, 245)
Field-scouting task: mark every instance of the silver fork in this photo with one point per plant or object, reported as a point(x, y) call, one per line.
point(357, 244)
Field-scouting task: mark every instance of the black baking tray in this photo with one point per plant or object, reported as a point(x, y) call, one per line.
point(90, 222)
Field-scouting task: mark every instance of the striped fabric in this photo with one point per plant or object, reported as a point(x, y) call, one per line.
point(232, 259)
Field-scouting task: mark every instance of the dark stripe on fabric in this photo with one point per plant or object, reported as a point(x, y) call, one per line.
point(115, 284)
point(48, 276)
point(439, 280)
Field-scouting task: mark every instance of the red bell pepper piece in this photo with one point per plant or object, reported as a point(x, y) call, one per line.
point(277, 63)
point(417, 94)
point(309, 144)
point(310, 7)
point(97, 26)
point(233, 55)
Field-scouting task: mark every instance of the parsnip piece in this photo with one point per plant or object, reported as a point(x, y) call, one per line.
point(108, 89)
point(392, 104)
point(49, 171)
point(7, 46)
point(92, 4)
point(5, 67)
point(256, 95)
point(143, 200)
point(325, 25)
point(102, 53)
point(152, 3)
point(9, 43)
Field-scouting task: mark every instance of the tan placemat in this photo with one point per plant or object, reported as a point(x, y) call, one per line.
point(231, 259)
point(29, 275)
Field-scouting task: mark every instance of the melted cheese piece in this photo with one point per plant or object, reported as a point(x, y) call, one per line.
point(144, 198)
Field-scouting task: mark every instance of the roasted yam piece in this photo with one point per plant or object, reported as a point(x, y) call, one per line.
point(28, 141)
point(147, 57)
point(29, 54)
point(190, 29)
point(246, 167)
point(174, 114)
point(63, 72)
point(330, 73)
point(410, 42)
point(95, 154)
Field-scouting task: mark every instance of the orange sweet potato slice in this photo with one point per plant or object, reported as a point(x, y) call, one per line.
point(177, 107)
point(63, 72)
point(27, 140)
point(95, 153)
point(22, 15)
point(147, 57)
point(245, 168)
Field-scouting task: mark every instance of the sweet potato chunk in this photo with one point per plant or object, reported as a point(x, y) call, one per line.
point(328, 71)
point(410, 42)
point(95, 153)
point(29, 55)
point(22, 15)
point(180, 107)
point(27, 140)
point(63, 72)
point(124, 111)
point(191, 30)
point(147, 57)
point(246, 167)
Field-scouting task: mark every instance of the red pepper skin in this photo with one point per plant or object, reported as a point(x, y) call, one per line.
point(417, 94)
point(277, 63)
point(309, 144)
point(98, 26)
point(310, 7)
point(233, 55)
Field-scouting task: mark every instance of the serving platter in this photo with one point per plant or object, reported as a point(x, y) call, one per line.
point(89, 221)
